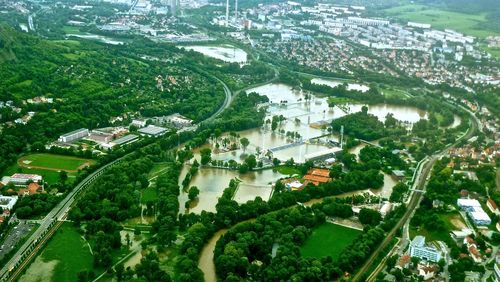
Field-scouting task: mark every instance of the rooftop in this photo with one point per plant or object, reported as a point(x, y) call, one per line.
point(152, 130)
point(468, 203)
point(73, 132)
point(418, 241)
point(24, 175)
point(125, 139)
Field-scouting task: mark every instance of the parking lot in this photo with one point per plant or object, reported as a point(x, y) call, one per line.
point(15, 235)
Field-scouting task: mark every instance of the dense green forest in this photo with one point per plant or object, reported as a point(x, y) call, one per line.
point(89, 84)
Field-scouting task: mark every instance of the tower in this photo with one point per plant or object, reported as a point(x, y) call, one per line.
point(173, 7)
point(236, 11)
point(342, 137)
point(227, 13)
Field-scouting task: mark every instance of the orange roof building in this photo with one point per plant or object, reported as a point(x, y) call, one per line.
point(32, 189)
point(317, 176)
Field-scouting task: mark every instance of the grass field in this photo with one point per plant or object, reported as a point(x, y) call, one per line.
point(328, 240)
point(339, 100)
point(54, 162)
point(149, 194)
point(158, 169)
point(48, 166)
point(68, 252)
point(452, 220)
point(495, 52)
point(71, 29)
point(287, 170)
point(394, 93)
point(441, 19)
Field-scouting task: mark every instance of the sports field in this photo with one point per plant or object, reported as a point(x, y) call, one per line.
point(328, 240)
point(54, 162)
point(63, 257)
point(468, 24)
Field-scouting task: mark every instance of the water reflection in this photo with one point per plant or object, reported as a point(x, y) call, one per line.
point(302, 117)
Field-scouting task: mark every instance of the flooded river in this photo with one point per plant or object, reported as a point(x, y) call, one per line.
point(212, 181)
point(302, 117)
point(206, 262)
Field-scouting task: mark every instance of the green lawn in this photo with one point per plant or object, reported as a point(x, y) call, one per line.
point(495, 52)
point(328, 240)
point(440, 235)
point(441, 19)
point(71, 29)
point(55, 162)
point(71, 251)
point(394, 93)
point(287, 170)
point(149, 194)
point(158, 169)
point(339, 100)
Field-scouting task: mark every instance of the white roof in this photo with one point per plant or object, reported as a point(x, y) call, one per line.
point(480, 215)
point(318, 154)
point(152, 130)
point(468, 203)
point(294, 184)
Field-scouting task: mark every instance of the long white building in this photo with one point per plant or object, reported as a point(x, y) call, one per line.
point(74, 135)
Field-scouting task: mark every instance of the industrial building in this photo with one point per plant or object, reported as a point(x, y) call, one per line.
point(74, 135)
point(475, 211)
point(419, 249)
point(152, 130)
point(325, 154)
point(120, 141)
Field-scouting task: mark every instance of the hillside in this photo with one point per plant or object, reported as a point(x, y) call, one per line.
point(89, 83)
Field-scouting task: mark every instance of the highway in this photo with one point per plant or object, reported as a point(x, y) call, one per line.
point(416, 197)
point(60, 212)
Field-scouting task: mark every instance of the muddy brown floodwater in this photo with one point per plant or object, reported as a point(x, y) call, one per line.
point(206, 262)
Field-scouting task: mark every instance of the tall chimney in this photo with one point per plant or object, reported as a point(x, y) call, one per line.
point(227, 13)
point(236, 10)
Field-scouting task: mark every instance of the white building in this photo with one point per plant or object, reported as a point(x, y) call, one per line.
point(419, 25)
point(22, 178)
point(74, 135)
point(7, 202)
point(475, 211)
point(366, 21)
point(138, 123)
point(419, 249)
point(152, 130)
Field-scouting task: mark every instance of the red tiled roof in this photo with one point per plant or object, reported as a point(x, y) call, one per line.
point(319, 172)
point(33, 188)
point(317, 179)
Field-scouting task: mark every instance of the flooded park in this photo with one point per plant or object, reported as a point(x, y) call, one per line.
point(304, 116)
